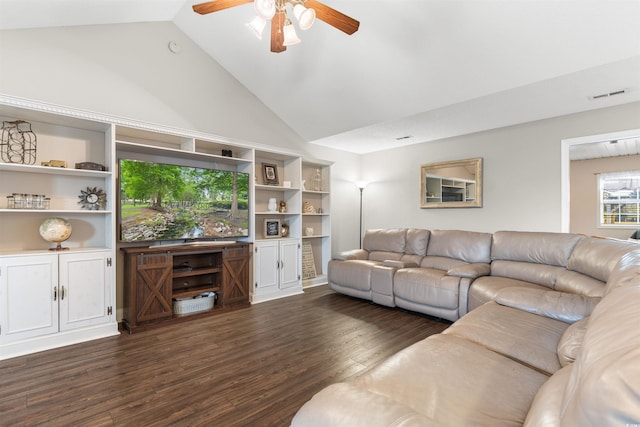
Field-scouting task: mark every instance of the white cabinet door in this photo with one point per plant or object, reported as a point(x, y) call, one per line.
point(290, 260)
point(28, 296)
point(266, 266)
point(85, 280)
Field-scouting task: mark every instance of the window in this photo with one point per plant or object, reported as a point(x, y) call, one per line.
point(620, 199)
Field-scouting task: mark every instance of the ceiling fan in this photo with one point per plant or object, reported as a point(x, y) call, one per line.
point(282, 31)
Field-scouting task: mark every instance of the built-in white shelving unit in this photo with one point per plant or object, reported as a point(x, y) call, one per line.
point(76, 136)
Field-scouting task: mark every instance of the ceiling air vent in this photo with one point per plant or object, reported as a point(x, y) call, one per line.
point(609, 94)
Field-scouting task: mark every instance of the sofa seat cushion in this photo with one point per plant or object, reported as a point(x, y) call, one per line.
point(485, 288)
point(455, 382)
point(525, 337)
point(426, 286)
point(547, 405)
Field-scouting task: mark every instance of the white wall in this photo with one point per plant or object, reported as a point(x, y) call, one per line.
point(585, 202)
point(127, 70)
point(521, 174)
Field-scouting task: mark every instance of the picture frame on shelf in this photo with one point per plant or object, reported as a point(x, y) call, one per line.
point(272, 228)
point(270, 174)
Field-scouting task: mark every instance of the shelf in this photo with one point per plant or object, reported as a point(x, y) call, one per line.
point(316, 214)
point(196, 272)
point(314, 192)
point(316, 236)
point(56, 211)
point(193, 291)
point(132, 147)
point(274, 188)
point(47, 170)
point(277, 213)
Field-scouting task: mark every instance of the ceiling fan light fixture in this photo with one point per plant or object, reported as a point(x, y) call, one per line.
point(305, 16)
point(290, 36)
point(256, 26)
point(265, 8)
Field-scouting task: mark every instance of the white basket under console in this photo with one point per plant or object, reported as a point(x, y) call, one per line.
point(190, 305)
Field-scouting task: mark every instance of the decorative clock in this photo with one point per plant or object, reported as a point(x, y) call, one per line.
point(92, 198)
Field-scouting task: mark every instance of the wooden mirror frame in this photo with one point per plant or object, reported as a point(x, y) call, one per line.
point(461, 186)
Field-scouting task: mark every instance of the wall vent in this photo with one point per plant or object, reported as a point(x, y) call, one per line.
point(609, 94)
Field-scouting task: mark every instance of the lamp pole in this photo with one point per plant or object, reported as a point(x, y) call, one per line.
point(361, 186)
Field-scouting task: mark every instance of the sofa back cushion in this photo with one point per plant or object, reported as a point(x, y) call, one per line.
point(578, 283)
point(467, 246)
point(540, 274)
point(597, 257)
point(417, 241)
point(385, 240)
point(534, 247)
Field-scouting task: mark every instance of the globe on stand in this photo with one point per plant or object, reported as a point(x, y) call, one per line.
point(55, 230)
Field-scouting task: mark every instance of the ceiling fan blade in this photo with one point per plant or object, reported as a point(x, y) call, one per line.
point(332, 17)
point(277, 33)
point(216, 5)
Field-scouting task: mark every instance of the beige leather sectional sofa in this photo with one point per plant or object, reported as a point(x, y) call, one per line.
point(548, 336)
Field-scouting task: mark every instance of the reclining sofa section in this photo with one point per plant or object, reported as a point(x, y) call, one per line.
point(420, 270)
point(555, 344)
point(446, 273)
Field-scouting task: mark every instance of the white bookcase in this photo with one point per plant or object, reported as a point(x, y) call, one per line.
point(316, 222)
point(25, 255)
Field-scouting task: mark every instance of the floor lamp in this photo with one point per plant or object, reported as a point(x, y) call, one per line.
point(361, 186)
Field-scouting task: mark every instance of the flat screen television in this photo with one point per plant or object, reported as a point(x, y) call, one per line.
point(161, 201)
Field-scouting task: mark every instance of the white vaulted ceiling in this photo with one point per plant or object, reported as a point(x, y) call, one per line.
point(422, 69)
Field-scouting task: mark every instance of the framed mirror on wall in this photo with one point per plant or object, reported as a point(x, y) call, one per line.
point(452, 184)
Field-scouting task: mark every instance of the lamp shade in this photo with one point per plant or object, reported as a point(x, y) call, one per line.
point(256, 26)
point(290, 36)
point(362, 184)
point(265, 8)
point(305, 16)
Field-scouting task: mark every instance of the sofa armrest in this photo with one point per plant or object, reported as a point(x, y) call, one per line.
point(345, 404)
point(470, 271)
point(568, 308)
point(352, 254)
point(399, 264)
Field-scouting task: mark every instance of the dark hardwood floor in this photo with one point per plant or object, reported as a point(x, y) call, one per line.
point(251, 367)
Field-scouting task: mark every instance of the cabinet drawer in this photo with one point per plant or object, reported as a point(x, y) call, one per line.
point(236, 252)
